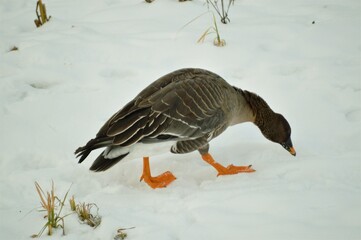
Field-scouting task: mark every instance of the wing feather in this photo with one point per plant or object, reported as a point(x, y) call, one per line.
point(121, 125)
point(187, 104)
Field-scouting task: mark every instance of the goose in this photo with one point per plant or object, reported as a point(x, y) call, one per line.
point(179, 113)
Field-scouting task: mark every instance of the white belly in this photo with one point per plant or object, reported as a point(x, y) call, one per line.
point(140, 150)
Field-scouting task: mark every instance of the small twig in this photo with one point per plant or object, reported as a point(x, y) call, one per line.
point(222, 13)
point(40, 11)
point(121, 235)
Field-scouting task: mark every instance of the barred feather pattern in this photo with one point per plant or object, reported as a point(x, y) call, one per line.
point(272, 125)
point(184, 104)
point(190, 105)
point(259, 108)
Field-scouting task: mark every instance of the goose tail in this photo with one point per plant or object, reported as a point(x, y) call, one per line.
point(93, 144)
point(101, 163)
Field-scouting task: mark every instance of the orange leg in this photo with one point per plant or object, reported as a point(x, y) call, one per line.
point(160, 181)
point(231, 169)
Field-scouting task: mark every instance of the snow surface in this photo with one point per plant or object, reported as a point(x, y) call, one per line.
point(69, 76)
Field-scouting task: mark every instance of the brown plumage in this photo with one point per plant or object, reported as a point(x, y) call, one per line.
point(187, 109)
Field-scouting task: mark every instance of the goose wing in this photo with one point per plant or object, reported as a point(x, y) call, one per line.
point(185, 105)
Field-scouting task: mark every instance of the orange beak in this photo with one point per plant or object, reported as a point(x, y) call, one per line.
point(292, 151)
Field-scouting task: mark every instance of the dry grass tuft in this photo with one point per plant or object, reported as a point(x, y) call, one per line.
point(40, 11)
point(121, 234)
point(85, 214)
point(213, 29)
point(223, 12)
point(53, 207)
point(72, 204)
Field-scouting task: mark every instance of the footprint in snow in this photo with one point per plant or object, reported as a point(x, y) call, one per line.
point(42, 85)
point(354, 115)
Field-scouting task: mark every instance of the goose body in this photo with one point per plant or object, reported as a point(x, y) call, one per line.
point(182, 112)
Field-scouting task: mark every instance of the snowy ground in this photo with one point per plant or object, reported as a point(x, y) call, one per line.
point(73, 73)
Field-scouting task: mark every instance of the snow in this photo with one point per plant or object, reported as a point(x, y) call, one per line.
point(70, 75)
